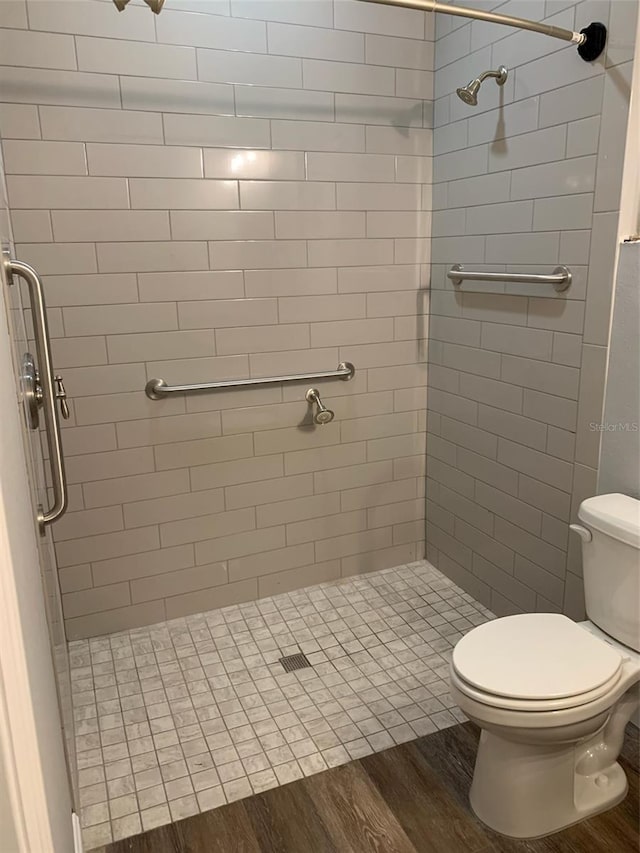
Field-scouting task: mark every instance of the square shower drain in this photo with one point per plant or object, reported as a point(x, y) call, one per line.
point(293, 662)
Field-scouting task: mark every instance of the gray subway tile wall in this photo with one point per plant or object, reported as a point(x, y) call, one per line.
point(528, 179)
point(228, 189)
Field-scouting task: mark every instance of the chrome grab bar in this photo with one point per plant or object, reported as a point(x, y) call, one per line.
point(156, 389)
point(560, 278)
point(50, 386)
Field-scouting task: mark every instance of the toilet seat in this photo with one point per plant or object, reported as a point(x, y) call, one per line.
point(535, 662)
point(510, 704)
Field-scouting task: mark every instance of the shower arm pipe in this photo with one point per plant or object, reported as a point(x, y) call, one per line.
point(492, 17)
point(500, 75)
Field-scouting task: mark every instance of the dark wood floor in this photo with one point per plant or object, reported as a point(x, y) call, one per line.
point(409, 799)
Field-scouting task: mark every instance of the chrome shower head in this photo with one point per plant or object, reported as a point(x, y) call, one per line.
point(322, 415)
point(469, 93)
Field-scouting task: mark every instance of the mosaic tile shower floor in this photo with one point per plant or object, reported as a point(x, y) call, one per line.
point(187, 715)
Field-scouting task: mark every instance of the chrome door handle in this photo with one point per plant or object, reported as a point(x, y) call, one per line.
point(50, 392)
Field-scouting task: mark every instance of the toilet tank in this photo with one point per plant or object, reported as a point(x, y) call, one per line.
point(611, 565)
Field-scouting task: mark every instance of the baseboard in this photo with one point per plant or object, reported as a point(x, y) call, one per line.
point(77, 834)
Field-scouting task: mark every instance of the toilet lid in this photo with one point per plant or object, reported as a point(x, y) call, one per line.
point(534, 656)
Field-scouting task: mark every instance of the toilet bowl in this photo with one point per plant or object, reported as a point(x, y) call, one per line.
point(552, 696)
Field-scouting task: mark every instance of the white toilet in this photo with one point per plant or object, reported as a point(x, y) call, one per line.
point(552, 696)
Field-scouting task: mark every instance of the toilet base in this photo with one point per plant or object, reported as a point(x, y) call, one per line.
point(528, 791)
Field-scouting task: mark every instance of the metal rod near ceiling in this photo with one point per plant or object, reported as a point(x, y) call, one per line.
point(590, 40)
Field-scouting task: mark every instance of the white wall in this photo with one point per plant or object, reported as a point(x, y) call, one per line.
point(629, 224)
point(7, 822)
point(619, 469)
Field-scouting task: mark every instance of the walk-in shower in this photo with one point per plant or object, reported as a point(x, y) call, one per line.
point(322, 327)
